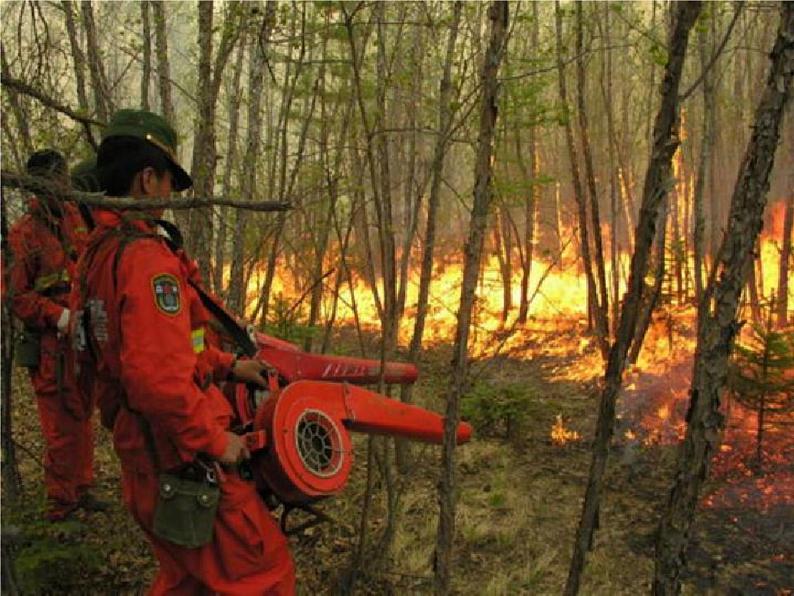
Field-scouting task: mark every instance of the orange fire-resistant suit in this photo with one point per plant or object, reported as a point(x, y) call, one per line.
point(143, 353)
point(44, 245)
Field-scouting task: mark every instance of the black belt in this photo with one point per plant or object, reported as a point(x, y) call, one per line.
point(56, 290)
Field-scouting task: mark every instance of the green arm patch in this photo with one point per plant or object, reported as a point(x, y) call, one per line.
point(166, 294)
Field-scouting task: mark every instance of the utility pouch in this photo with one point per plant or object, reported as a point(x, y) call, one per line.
point(186, 510)
point(28, 348)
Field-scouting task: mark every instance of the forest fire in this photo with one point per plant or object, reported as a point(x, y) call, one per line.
point(655, 398)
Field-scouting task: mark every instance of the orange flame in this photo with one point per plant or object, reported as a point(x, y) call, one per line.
point(560, 435)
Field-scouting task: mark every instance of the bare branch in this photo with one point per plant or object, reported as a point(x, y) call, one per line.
point(26, 89)
point(41, 185)
point(716, 55)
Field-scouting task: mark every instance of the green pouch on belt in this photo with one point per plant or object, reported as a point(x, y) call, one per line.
point(27, 350)
point(186, 510)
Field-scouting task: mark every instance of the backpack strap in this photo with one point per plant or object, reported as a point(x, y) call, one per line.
point(127, 235)
point(230, 325)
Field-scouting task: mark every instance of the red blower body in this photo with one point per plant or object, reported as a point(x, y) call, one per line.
point(299, 431)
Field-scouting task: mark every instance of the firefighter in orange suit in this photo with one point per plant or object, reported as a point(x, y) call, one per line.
point(140, 348)
point(44, 245)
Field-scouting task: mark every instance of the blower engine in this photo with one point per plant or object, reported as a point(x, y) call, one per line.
point(299, 430)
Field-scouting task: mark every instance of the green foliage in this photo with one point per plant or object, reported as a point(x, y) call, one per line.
point(497, 409)
point(658, 55)
point(284, 321)
point(760, 370)
point(53, 557)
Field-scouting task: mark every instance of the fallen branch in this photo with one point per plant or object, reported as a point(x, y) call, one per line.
point(92, 199)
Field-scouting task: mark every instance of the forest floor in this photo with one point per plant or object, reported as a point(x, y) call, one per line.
point(519, 503)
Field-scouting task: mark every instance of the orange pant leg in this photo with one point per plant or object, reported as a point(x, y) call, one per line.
point(248, 555)
point(69, 442)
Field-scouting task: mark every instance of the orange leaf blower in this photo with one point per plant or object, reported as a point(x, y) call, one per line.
point(299, 434)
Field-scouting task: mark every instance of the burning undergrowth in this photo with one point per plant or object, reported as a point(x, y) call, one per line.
point(652, 411)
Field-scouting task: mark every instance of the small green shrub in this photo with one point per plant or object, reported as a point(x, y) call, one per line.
point(498, 410)
point(284, 321)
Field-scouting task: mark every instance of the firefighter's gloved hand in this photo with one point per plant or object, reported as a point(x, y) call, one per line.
point(235, 451)
point(63, 321)
point(251, 371)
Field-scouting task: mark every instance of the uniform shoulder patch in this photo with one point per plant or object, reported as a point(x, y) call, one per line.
point(166, 294)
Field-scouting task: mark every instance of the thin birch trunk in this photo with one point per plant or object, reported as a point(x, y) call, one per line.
point(286, 186)
point(593, 308)
point(78, 60)
point(657, 182)
point(606, 91)
point(146, 50)
point(163, 68)
point(718, 326)
point(233, 113)
point(256, 75)
point(445, 114)
point(651, 300)
point(707, 141)
point(205, 155)
point(533, 197)
point(498, 15)
point(99, 84)
point(601, 303)
point(785, 254)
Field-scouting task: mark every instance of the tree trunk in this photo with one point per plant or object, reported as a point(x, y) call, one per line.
point(10, 470)
point(657, 180)
point(445, 113)
point(718, 326)
point(332, 186)
point(78, 59)
point(286, 186)
point(256, 76)
point(785, 251)
point(202, 168)
point(752, 291)
point(383, 199)
point(146, 68)
point(414, 190)
point(233, 113)
point(601, 302)
point(650, 300)
point(614, 174)
point(503, 244)
point(102, 100)
point(584, 239)
point(785, 244)
point(483, 191)
point(205, 155)
point(707, 142)
point(678, 254)
point(163, 69)
point(533, 196)
point(531, 174)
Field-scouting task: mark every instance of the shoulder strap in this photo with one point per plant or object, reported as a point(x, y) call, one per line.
point(227, 321)
point(128, 236)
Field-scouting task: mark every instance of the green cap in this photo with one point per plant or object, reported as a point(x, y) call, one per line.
point(84, 176)
point(155, 129)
